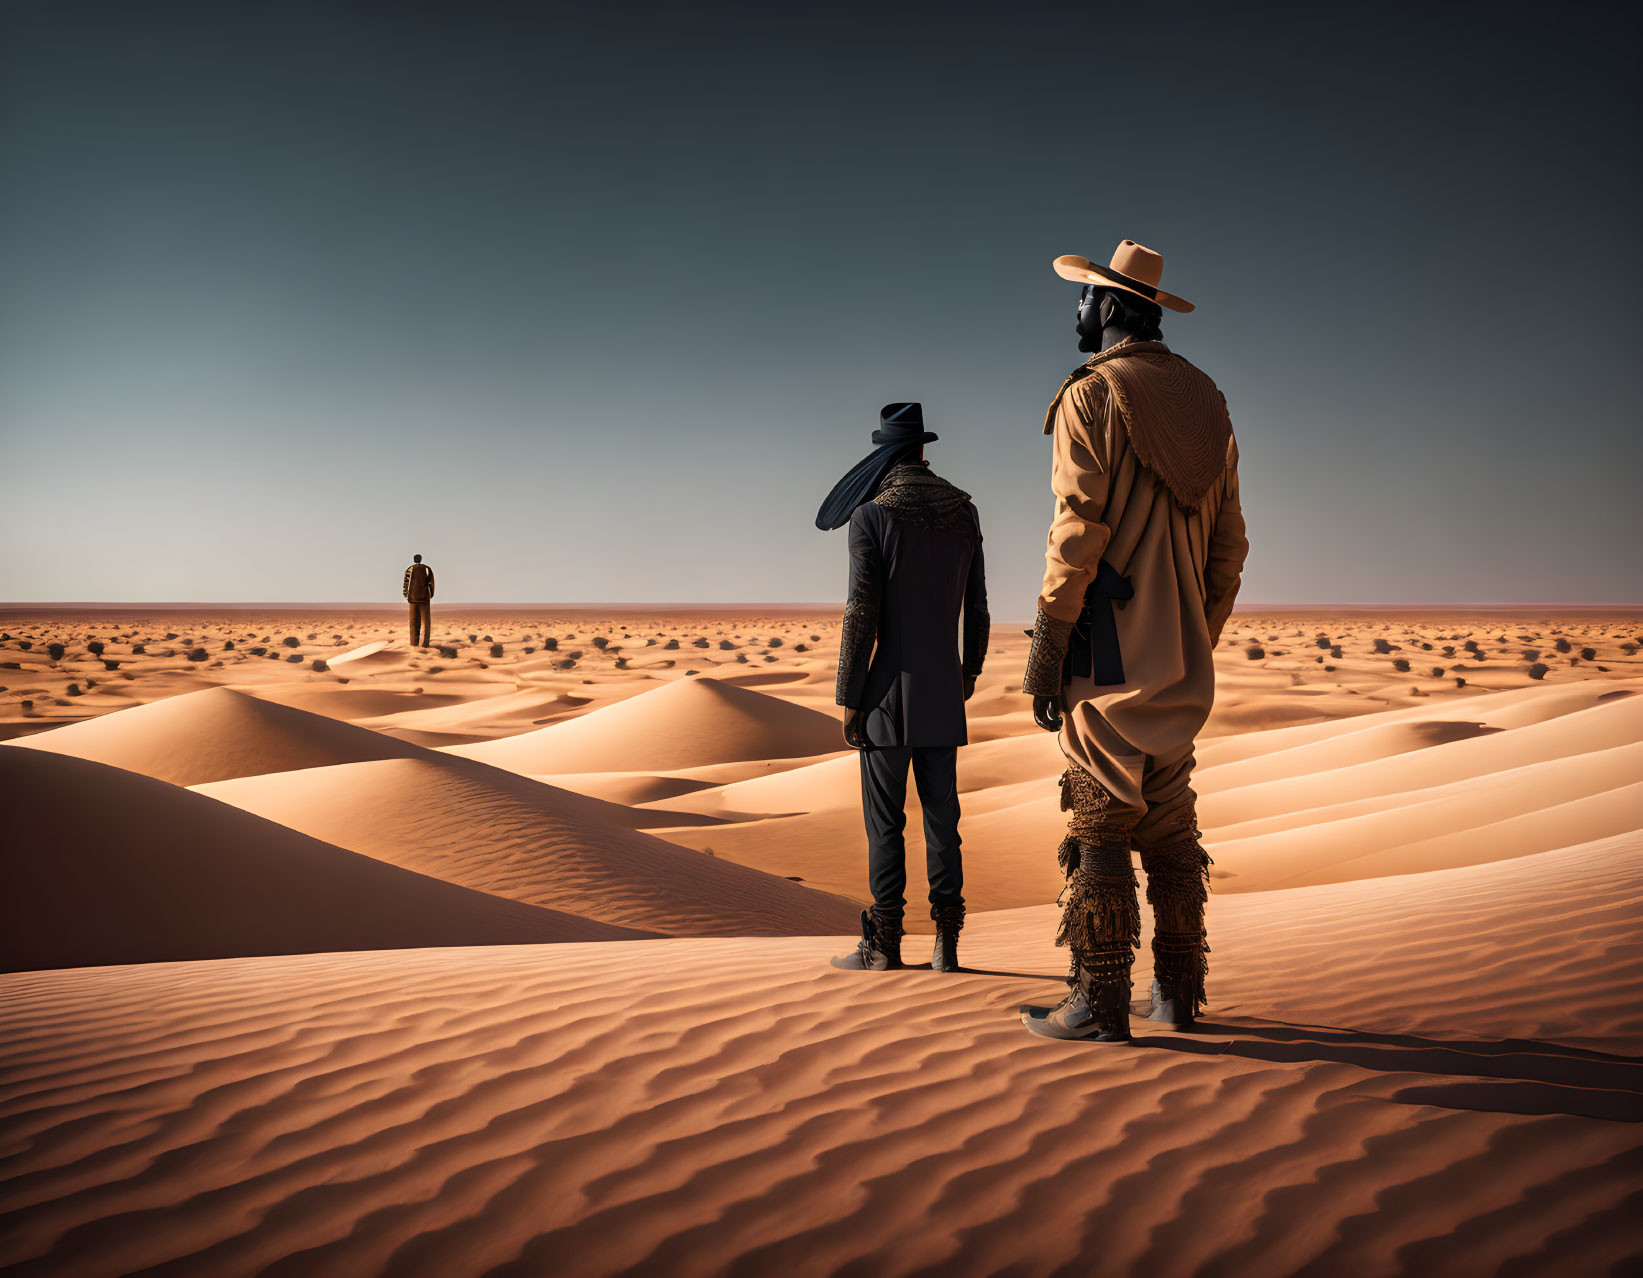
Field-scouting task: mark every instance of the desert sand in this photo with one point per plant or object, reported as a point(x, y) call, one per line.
point(331, 956)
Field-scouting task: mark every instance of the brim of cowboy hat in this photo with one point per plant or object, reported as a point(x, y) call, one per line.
point(1080, 270)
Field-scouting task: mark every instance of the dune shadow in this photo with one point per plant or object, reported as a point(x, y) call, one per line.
point(1493, 1075)
point(1436, 732)
point(1054, 978)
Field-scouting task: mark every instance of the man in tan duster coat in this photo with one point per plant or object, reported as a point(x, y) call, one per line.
point(1142, 565)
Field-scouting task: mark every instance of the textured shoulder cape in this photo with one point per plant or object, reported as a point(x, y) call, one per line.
point(1175, 416)
point(911, 491)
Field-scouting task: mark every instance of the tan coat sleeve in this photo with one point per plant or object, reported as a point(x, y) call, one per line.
point(1228, 547)
point(1078, 476)
point(406, 588)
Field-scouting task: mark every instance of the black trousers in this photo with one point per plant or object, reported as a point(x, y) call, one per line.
point(884, 807)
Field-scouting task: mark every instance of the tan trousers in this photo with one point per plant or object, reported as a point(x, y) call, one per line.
point(1134, 801)
point(421, 623)
point(1149, 796)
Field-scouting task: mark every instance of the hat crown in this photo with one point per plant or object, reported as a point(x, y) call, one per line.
point(899, 434)
point(1138, 262)
point(1135, 268)
point(908, 416)
point(902, 424)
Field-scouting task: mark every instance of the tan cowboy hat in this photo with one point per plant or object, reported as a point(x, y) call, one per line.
point(1135, 269)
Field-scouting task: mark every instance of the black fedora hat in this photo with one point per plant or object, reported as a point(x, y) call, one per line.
point(901, 432)
point(902, 423)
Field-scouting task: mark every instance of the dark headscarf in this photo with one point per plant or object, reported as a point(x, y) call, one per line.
point(900, 435)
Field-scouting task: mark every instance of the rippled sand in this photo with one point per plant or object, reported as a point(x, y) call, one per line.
point(1422, 1053)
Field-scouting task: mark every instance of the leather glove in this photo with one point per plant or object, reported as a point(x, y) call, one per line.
point(1042, 681)
point(855, 730)
point(969, 687)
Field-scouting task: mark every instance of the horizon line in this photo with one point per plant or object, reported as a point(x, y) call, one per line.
point(674, 605)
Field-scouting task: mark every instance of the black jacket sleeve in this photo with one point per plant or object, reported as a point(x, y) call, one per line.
point(861, 610)
point(978, 624)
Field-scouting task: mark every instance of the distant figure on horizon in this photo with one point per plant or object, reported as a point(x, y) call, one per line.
point(419, 593)
point(915, 562)
point(1147, 522)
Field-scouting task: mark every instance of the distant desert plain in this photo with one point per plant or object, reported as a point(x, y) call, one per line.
point(325, 955)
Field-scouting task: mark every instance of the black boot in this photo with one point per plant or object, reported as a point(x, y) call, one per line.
point(879, 949)
point(1096, 1010)
point(949, 922)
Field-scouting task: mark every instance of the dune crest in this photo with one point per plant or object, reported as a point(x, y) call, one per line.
point(684, 724)
point(213, 735)
point(124, 868)
point(504, 834)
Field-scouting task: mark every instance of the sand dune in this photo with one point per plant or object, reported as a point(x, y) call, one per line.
point(679, 725)
point(1561, 771)
point(1382, 764)
point(826, 849)
point(1476, 798)
point(1352, 1108)
point(1487, 820)
point(830, 783)
point(367, 705)
point(513, 837)
point(500, 715)
point(1303, 838)
point(1260, 756)
point(654, 787)
point(1541, 947)
point(1407, 1068)
point(837, 781)
point(123, 868)
point(630, 788)
point(216, 734)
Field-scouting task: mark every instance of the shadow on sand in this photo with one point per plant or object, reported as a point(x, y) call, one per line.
point(1500, 1076)
point(991, 971)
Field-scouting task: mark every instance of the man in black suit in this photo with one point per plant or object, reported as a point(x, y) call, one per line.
point(915, 564)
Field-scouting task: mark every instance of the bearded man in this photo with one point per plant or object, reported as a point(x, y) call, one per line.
point(1143, 563)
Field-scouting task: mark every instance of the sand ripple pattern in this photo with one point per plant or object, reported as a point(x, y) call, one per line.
point(733, 1106)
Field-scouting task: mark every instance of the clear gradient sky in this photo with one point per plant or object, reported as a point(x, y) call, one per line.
point(597, 308)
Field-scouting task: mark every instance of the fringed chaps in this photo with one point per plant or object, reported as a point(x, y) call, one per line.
point(1178, 890)
point(1092, 819)
point(1101, 910)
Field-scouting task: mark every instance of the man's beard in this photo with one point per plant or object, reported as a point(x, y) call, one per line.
point(1089, 329)
point(1087, 342)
